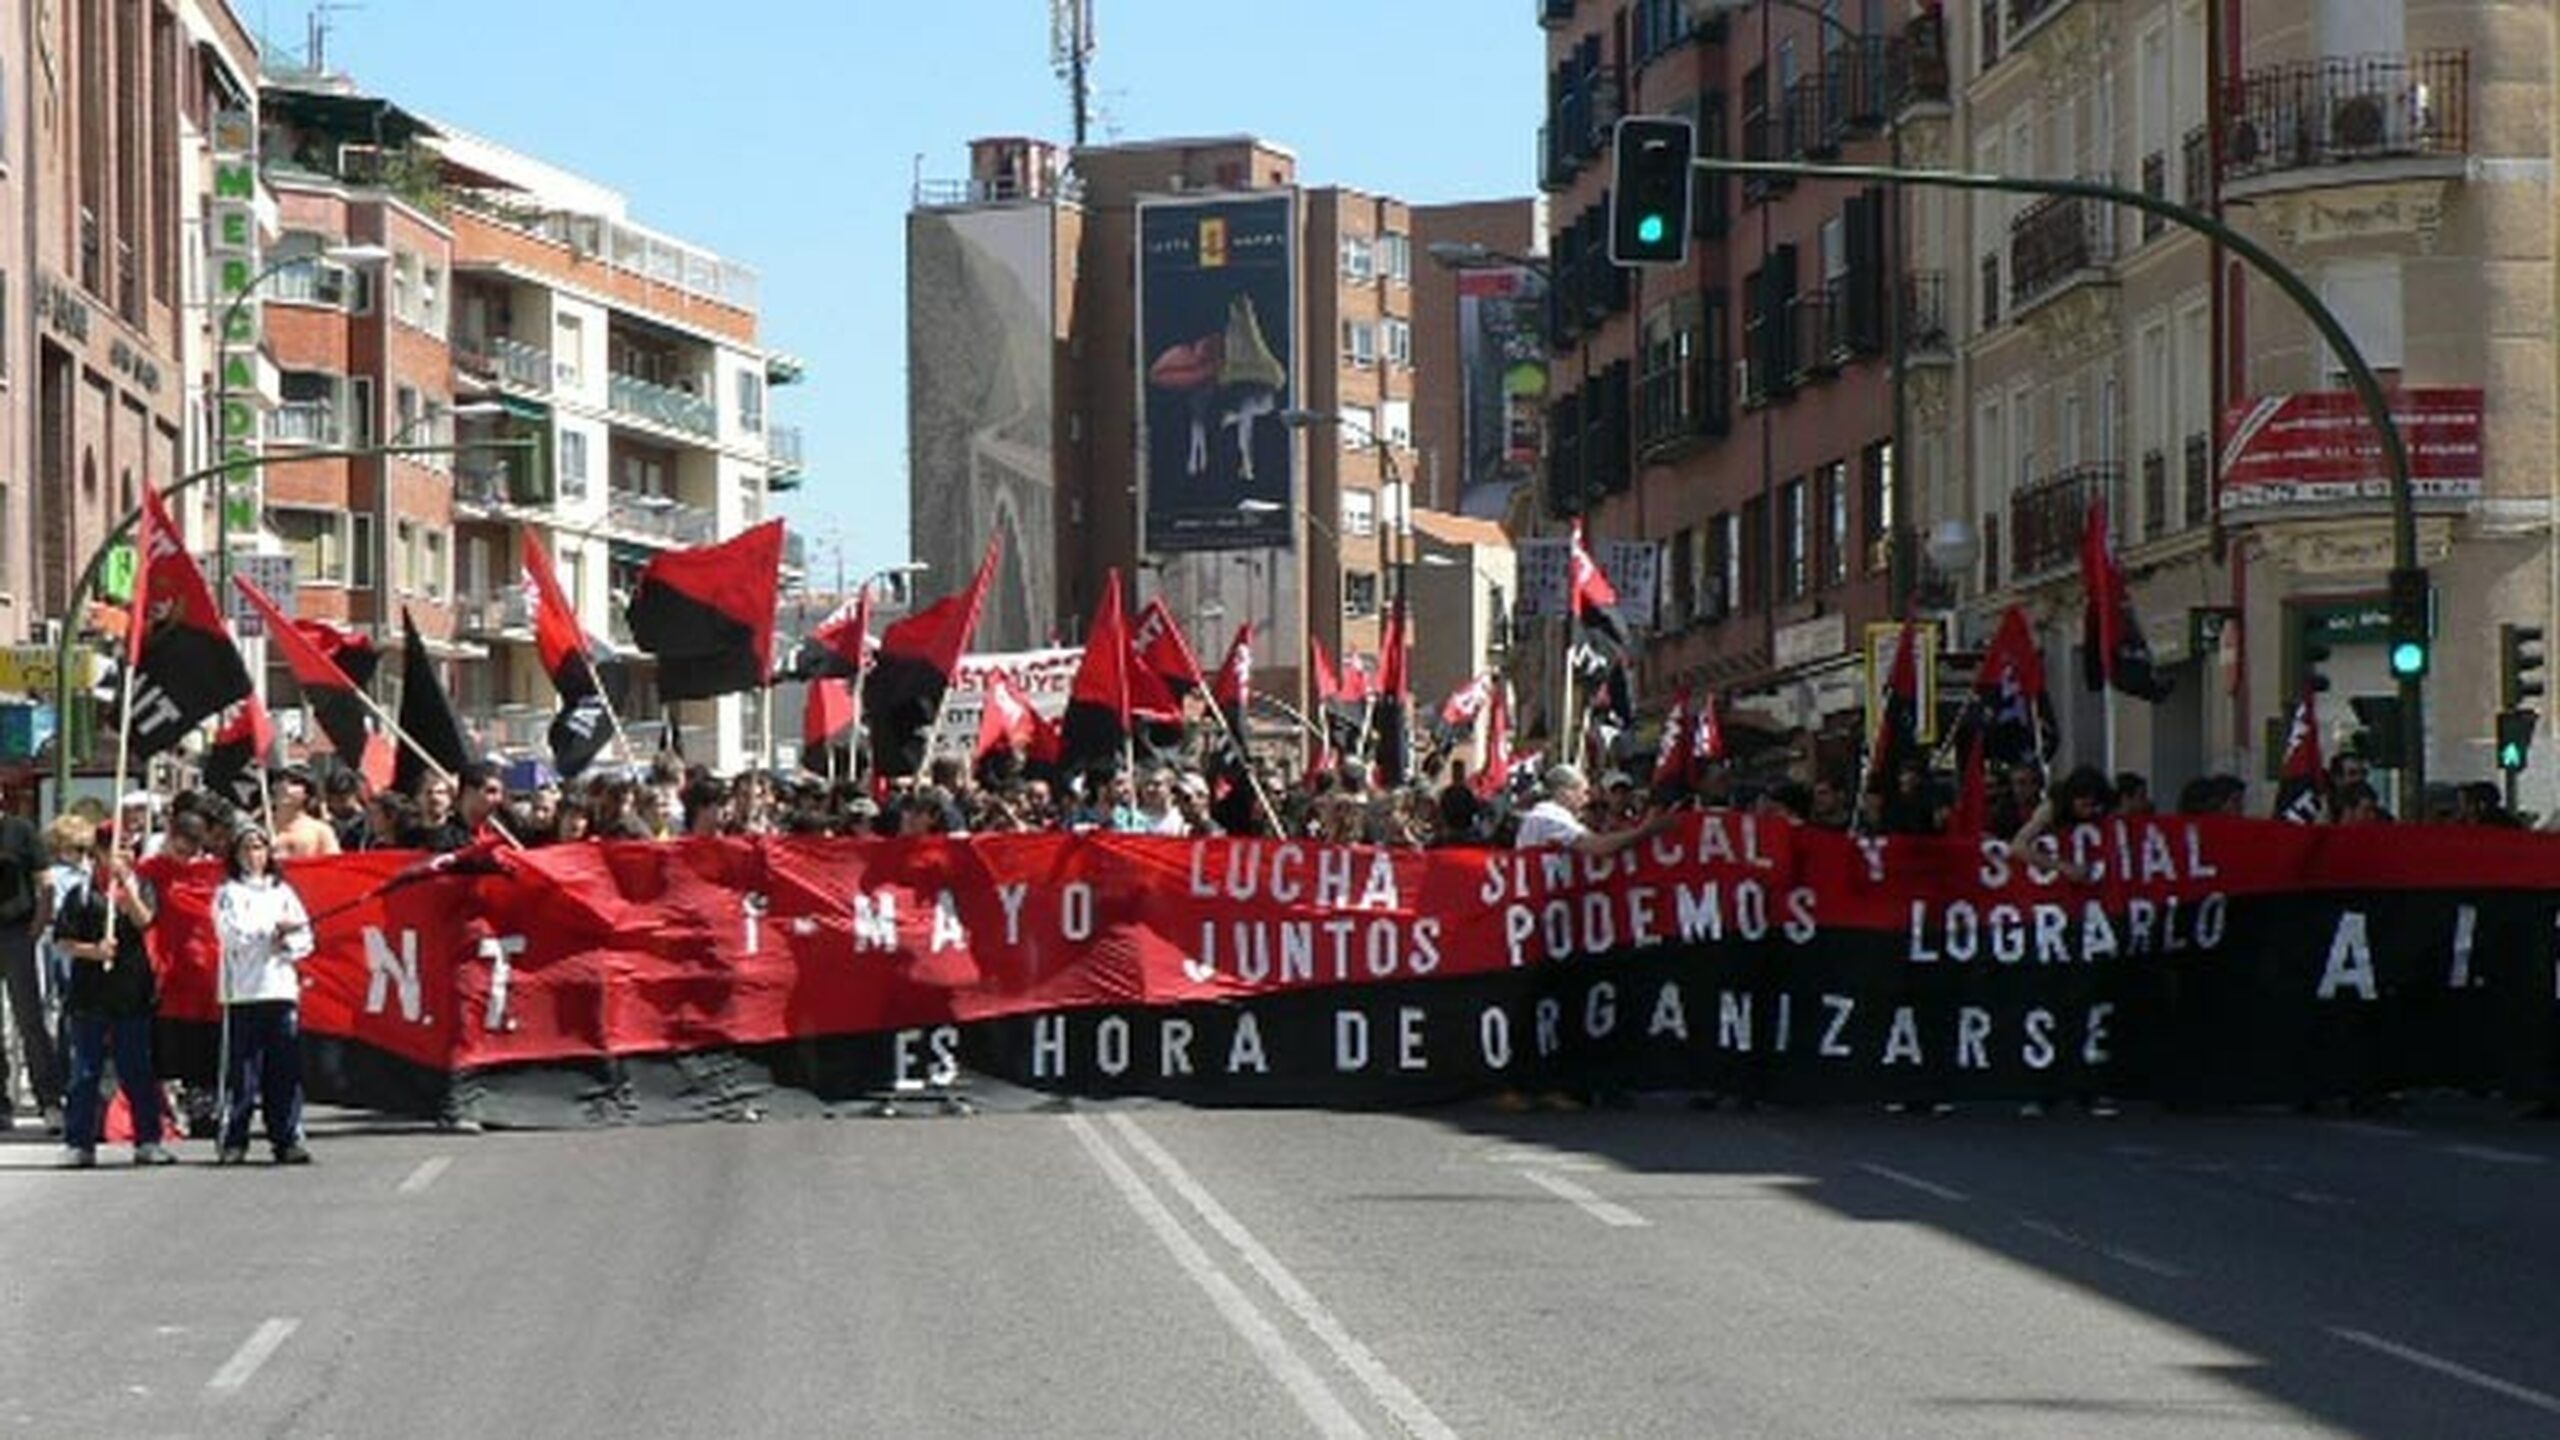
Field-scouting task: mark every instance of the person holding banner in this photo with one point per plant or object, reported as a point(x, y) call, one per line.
point(1556, 823)
point(266, 935)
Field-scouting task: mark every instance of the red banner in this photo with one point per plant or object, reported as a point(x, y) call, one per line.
point(2319, 446)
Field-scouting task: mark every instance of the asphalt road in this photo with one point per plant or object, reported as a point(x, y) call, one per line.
point(1131, 1271)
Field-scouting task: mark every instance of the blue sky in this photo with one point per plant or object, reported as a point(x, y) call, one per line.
point(786, 134)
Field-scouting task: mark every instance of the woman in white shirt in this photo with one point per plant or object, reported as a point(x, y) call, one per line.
point(266, 935)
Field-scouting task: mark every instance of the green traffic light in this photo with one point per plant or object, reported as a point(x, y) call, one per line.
point(2408, 658)
point(2511, 756)
point(1650, 229)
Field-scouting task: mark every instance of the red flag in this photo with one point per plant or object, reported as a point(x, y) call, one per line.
point(913, 666)
point(1896, 735)
point(1096, 730)
point(335, 702)
point(1328, 681)
point(2009, 698)
point(1706, 738)
point(1357, 686)
point(244, 740)
point(2303, 780)
point(845, 639)
point(1467, 701)
point(1232, 691)
point(1007, 722)
point(1671, 757)
point(561, 641)
point(2113, 649)
point(352, 650)
point(1591, 597)
point(180, 664)
point(707, 613)
point(1159, 645)
point(1394, 702)
point(829, 708)
point(1496, 770)
point(1972, 812)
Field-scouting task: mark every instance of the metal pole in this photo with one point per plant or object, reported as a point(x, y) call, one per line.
point(2367, 385)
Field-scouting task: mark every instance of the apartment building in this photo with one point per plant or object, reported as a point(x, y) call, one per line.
point(1176, 300)
point(2395, 157)
point(499, 299)
point(1735, 411)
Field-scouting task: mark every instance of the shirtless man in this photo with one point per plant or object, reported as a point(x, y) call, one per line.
point(299, 833)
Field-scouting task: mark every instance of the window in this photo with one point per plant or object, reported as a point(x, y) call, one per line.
point(1795, 539)
point(1878, 481)
point(404, 556)
point(751, 402)
point(1396, 418)
point(359, 410)
point(1359, 593)
point(568, 353)
point(573, 464)
point(1754, 569)
point(317, 541)
point(430, 298)
point(1395, 254)
point(360, 551)
point(404, 287)
point(1728, 562)
point(435, 576)
point(2364, 291)
point(1359, 259)
point(1835, 523)
point(1399, 342)
point(1359, 512)
point(404, 410)
point(1359, 427)
point(1360, 341)
point(1680, 578)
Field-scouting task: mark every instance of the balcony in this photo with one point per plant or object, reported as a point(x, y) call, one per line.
point(2058, 242)
point(659, 518)
point(1925, 332)
point(1988, 32)
point(2199, 468)
point(303, 424)
point(492, 482)
point(1552, 13)
point(2155, 494)
point(1989, 292)
point(1916, 63)
point(493, 612)
point(782, 451)
point(505, 361)
point(2025, 15)
point(2346, 119)
point(2046, 518)
point(2195, 154)
point(1682, 402)
point(1817, 341)
point(657, 404)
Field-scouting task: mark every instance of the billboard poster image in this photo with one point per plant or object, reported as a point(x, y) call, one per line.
point(1217, 330)
point(1502, 356)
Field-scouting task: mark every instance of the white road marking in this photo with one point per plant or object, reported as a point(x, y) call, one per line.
point(1373, 1375)
point(1306, 1387)
point(426, 1173)
point(2130, 1259)
point(253, 1352)
point(2520, 1393)
point(1584, 1199)
point(2494, 1155)
point(1913, 1182)
point(1545, 1159)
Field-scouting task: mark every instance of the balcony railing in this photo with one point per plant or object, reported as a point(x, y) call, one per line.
point(1683, 401)
point(2025, 13)
point(2155, 494)
point(303, 424)
point(1918, 62)
point(507, 361)
point(637, 252)
point(2348, 109)
point(1988, 14)
point(491, 612)
point(2199, 467)
point(1816, 342)
point(661, 404)
point(782, 446)
point(2155, 185)
point(2045, 519)
point(1924, 314)
point(660, 518)
point(2195, 158)
point(491, 481)
point(2053, 242)
point(1552, 13)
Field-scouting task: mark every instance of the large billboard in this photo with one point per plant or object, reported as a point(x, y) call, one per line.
point(981, 341)
point(1502, 368)
point(1217, 364)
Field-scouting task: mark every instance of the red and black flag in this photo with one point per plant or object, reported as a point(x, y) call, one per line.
point(1161, 648)
point(1706, 738)
point(1459, 711)
point(1971, 814)
point(1232, 690)
point(1328, 680)
point(239, 747)
point(352, 651)
point(1009, 723)
point(2302, 785)
point(1590, 596)
point(579, 731)
point(707, 613)
point(829, 709)
point(1895, 738)
point(180, 664)
point(1671, 757)
point(2112, 648)
point(912, 668)
point(2010, 705)
point(428, 724)
point(1389, 724)
point(1095, 734)
point(336, 703)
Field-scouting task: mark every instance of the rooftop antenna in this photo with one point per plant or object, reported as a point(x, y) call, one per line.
point(1071, 58)
point(316, 56)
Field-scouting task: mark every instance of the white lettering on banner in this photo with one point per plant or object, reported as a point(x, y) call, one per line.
point(1841, 1008)
point(1010, 897)
point(752, 908)
point(1287, 952)
point(941, 1058)
point(1244, 1052)
point(1409, 1056)
point(1957, 931)
point(1668, 1016)
point(2350, 964)
point(948, 932)
point(1045, 677)
point(387, 969)
point(1493, 1035)
point(1350, 1041)
point(500, 951)
point(875, 922)
point(2466, 919)
point(1175, 1046)
point(1255, 869)
point(2039, 1048)
point(1560, 929)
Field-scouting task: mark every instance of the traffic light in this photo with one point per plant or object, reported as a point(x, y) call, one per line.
point(2515, 738)
point(2519, 665)
point(2411, 614)
point(1649, 192)
point(2384, 741)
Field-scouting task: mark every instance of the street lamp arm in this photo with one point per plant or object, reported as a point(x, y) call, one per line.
point(123, 527)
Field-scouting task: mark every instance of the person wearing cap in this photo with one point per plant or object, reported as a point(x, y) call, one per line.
point(1556, 822)
point(266, 935)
